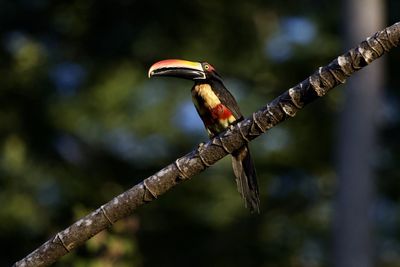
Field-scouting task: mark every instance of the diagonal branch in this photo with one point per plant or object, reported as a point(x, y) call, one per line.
point(280, 109)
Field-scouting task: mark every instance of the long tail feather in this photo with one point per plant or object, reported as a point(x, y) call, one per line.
point(246, 178)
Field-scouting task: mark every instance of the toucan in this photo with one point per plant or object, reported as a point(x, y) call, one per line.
point(218, 110)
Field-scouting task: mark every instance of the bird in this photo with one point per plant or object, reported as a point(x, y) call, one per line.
point(218, 110)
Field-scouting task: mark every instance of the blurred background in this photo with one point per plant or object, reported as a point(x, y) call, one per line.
point(80, 122)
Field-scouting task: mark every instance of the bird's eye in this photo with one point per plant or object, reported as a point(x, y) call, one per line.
point(206, 67)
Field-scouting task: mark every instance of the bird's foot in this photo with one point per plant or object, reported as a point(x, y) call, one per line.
point(200, 146)
point(231, 127)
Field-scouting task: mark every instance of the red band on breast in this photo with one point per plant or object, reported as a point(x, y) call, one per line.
point(221, 112)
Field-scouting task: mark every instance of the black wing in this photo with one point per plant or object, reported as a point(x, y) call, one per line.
point(226, 98)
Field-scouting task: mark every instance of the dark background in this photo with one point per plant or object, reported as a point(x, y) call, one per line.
point(80, 122)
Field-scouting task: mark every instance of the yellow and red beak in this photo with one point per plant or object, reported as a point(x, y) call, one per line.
point(178, 68)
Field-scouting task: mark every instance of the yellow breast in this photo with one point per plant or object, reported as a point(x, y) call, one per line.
point(204, 91)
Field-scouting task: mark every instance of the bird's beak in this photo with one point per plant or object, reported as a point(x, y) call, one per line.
point(178, 68)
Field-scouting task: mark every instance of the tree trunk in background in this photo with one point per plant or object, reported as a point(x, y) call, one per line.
point(358, 128)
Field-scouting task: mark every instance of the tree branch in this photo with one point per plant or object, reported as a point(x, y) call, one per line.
point(280, 109)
